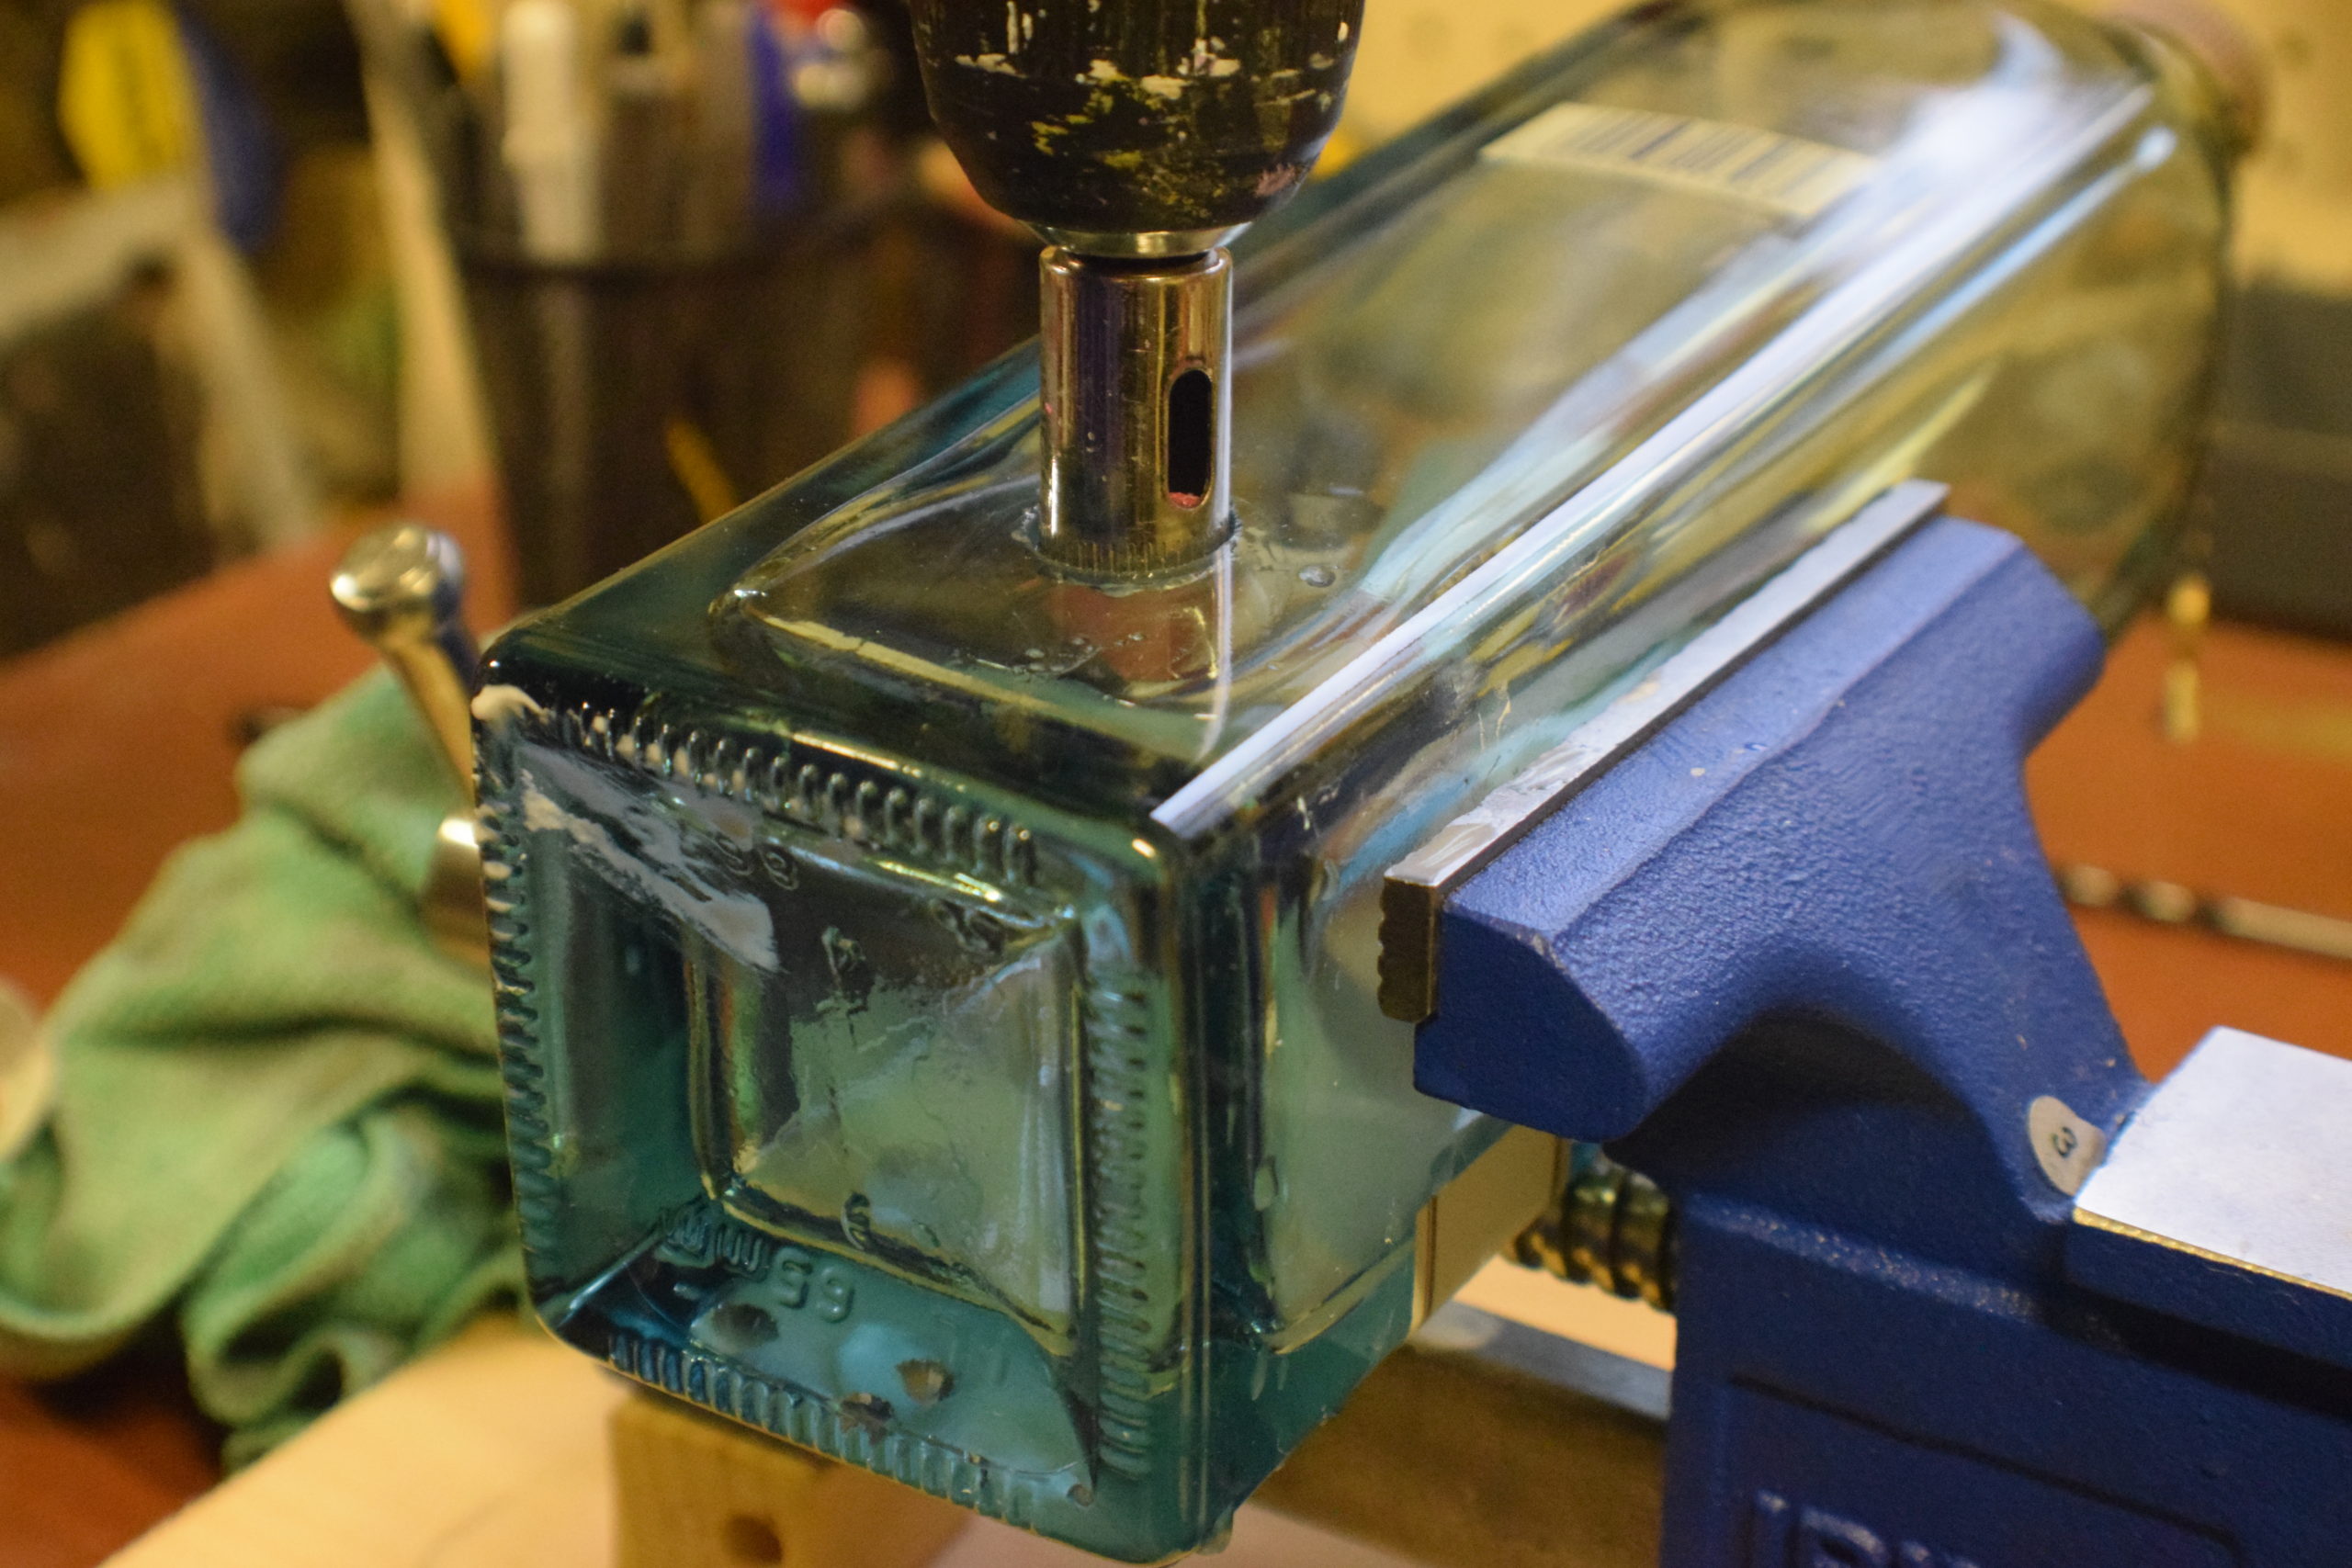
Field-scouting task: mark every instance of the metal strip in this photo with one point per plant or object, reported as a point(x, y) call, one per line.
point(1416, 888)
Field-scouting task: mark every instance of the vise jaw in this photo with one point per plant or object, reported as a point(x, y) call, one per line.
point(1788, 945)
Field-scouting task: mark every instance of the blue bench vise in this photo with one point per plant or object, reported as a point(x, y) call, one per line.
point(1956, 1287)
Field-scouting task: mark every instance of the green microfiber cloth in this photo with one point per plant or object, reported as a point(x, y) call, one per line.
point(278, 1102)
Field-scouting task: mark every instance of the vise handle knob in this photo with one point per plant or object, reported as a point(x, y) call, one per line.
point(400, 588)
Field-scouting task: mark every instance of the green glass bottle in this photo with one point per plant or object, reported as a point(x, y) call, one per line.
point(938, 989)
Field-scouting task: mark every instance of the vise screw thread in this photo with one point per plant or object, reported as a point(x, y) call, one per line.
point(1610, 1227)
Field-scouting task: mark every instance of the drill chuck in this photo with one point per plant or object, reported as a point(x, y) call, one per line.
point(1137, 127)
point(1136, 137)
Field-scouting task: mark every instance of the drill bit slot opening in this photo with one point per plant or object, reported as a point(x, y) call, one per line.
point(1191, 438)
point(1137, 410)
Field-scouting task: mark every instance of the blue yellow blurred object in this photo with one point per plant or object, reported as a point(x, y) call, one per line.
point(126, 99)
point(144, 92)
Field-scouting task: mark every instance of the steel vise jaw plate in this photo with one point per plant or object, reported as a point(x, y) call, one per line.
point(1416, 888)
point(2224, 1200)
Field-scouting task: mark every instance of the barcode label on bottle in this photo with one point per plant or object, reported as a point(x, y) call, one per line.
point(1783, 173)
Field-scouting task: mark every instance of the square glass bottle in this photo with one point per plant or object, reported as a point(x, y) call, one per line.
point(938, 991)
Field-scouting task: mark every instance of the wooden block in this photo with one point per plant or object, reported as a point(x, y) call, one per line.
point(697, 1492)
point(505, 1449)
point(488, 1453)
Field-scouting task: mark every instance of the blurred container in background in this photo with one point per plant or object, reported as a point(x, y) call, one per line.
point(697, 249)
point(142, 436)
point(656, 256)
point(144, 433)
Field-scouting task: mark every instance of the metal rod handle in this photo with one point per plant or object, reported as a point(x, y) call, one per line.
point(402, 587)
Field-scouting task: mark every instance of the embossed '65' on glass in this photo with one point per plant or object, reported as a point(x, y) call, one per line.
point(939, 986)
